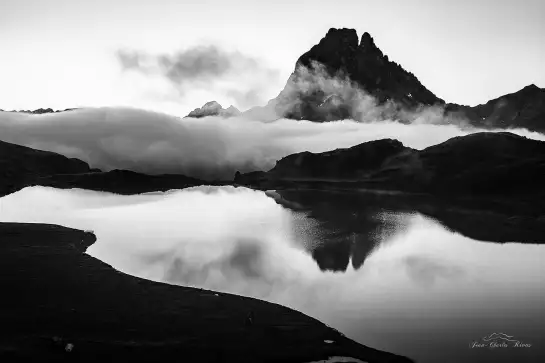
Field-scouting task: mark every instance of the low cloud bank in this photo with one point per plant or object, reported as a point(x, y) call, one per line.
point(314, 92)
point(210, 147)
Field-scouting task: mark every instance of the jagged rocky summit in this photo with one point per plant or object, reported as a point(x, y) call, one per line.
point(213, 108)
point(328, 80)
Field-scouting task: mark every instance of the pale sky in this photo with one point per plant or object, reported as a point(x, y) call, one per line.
point(62, 53)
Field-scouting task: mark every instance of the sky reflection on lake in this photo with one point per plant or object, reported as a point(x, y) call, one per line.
point(384, 275)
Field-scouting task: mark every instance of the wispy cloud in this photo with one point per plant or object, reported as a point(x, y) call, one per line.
point(237, 76)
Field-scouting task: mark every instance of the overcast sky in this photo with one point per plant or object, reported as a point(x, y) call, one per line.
point(69, 53)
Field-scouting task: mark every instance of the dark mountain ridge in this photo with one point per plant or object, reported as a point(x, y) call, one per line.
point(21, 166)
point(481, 165)
point(484, 164)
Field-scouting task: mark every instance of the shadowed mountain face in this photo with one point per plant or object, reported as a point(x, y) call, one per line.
point(500, 164)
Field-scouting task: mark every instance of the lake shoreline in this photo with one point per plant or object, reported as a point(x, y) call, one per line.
point(55, 296)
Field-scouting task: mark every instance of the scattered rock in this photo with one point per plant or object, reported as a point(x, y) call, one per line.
point(249, 319)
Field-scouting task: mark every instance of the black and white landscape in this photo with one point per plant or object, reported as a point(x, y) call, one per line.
point(274, 191)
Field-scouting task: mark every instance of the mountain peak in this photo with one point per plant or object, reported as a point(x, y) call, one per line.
point(531, 87)
point(367, 41)
point(213, 108)
point(362, 64)
point(343, 35)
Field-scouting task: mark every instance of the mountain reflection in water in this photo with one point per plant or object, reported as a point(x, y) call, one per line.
point(376, 267)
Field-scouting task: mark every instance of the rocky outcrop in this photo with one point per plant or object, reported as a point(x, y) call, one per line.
point(213, 108)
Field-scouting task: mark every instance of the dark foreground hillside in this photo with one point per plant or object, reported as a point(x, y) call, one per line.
point(54, 297)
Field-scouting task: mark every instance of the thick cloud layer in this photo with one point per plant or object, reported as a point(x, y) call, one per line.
point(210, 147)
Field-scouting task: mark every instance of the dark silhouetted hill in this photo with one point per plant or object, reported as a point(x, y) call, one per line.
point(483, 164)
point(119, 182)
point(20, 165)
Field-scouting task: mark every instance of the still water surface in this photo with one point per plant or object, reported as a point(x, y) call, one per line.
point(373, 268)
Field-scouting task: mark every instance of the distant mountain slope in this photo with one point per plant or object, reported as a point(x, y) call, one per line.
point(20, 165)
point(524, 109)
